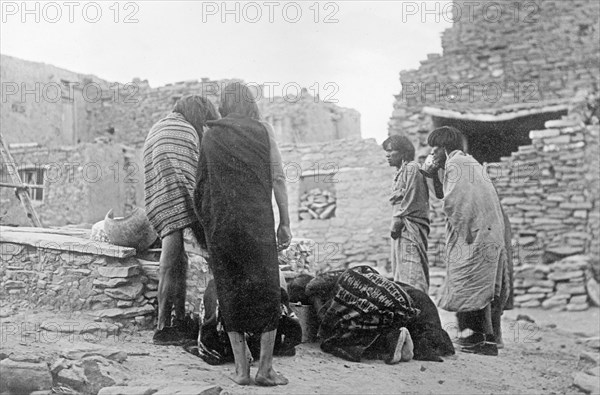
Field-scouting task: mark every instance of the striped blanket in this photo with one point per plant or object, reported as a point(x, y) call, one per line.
point(366, 306)
point(171, 155)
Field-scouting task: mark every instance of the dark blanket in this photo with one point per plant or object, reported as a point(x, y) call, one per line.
point(233, 201)
point(213, 343)
point(431, 341)
point(365, 309)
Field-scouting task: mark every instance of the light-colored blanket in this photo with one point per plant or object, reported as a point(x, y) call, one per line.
point(476, 255)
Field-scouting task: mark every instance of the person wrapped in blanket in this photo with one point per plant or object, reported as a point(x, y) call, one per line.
point(171, 153)
point(214, 346)
point(478, 254)
point(364, 315)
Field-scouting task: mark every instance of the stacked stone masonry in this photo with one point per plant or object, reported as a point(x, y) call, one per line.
point(538, 60)
point(544, 53)
point(550, 191)
point(564, 285)
point(114, 289)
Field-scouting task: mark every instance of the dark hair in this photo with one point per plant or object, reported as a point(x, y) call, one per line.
point(196, 110)
point(297, 289)
point(447, 137)
point(323, 286)
point(237, 98)
point(402, 144)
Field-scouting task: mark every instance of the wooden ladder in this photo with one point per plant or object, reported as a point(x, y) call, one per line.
point(22, 190)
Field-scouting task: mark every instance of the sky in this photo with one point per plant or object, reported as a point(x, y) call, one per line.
point(350, 52)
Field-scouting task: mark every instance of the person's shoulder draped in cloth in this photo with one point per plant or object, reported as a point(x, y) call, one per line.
point(233, 199)
point(476, 247)
point(171, 154)
point(234, 191)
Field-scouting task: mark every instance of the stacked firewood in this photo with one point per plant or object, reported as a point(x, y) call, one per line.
point(317, 204)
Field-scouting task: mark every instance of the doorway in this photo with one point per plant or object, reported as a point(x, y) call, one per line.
point(488, 141)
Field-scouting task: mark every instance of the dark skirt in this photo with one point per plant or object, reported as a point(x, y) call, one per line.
point(214, 346)
point(233, 201)
point(247, 288)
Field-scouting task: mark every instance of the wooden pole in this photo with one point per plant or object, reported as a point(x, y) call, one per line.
point(22, 193)
point(30, 186)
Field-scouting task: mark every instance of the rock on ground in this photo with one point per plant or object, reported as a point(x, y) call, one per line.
point(193, 388)
point(593, 290)
point(588, 383)
point(140, 390)
point(24, 377)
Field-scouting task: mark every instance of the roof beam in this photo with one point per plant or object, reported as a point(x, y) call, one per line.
point(505, 116)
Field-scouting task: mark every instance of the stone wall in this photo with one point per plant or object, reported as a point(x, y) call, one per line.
point(357, 172)
point(72, 281)
point(544, 53)
point(305, 119)
point(81, 183)
point(550, 191)
point(87, 108)
point(543, 56)
point(295, 119)
point(564, 285)
point(114, 289)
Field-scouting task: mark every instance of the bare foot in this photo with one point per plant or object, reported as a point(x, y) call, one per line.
point(271, 379)
point(500, 344)
point(240, 379)
point(408, 347)
point(398, 339)
point(241, 375)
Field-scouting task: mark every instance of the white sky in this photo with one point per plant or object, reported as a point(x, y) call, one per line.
point(362, 53)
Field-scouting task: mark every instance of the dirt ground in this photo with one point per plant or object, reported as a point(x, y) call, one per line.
point(539, 357)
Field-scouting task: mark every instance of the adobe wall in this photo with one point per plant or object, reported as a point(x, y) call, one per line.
point(31, 111)
point(39, 105)
point(306, 119)
point(82, 183)
point(361, 178)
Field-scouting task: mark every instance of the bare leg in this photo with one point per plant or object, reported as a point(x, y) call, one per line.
point(172, 245)
point(497, 324)
point(488, 327)
point(242, 365)
point(486, 342)
point(266, 375)
point(180, 274)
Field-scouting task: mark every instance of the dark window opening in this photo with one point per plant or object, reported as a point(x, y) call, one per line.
point(34, 177)
point(489, 141)
point(317, 197)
